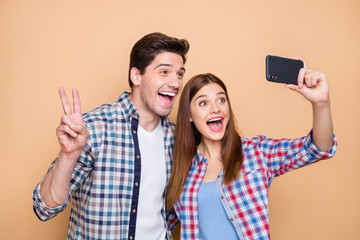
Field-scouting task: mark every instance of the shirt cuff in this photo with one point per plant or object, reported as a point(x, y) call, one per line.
point(317, 153)
point(43, 211)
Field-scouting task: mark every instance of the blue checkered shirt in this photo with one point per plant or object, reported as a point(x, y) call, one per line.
point(245, 200)
point(105, 183)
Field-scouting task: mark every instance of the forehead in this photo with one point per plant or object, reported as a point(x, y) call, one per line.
point(168, 58)
point(210, 89)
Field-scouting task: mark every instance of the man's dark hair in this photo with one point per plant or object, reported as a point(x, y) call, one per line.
point(149, 46)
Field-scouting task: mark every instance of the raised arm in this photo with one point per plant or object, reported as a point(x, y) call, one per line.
point(313, 86)
point(72, 136)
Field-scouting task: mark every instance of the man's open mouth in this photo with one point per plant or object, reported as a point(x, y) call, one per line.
point(167, 97)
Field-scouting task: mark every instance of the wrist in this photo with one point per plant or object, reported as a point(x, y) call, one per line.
point(65, 163)
point(321, 104)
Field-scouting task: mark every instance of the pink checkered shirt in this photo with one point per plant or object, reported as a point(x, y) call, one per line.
point(245, 200)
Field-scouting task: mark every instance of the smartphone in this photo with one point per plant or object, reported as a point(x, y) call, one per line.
point(282, 70)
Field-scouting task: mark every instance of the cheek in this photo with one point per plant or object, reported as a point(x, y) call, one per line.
point(180, 85)
point(226, 123)
point(192, 111)
point(195, 113)
point(227, 120)
point(227, 113)
point(200, 127)
point(194, 116)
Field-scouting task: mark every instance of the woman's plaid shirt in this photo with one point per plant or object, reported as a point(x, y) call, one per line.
point(246, 199)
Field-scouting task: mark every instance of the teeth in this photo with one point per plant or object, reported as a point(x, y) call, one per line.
point(214, 120)
point(171, 94)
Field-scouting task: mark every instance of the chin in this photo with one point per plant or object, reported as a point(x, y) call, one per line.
point(215, 138)
point(163, 112)
point(219, 138)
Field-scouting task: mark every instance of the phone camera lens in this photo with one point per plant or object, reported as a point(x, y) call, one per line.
point(272, 76)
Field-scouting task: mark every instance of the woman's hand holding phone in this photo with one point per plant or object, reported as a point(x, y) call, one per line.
point(311, 84)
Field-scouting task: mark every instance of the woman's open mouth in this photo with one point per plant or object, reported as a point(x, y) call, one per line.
point(215, 124)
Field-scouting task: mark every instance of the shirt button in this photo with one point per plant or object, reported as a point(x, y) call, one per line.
point(137, 156)
point(136, 184)
point(134, 131)
point(222, 197)
point(131, 237)
point(134, 210)
point(231, 219)
point(218, 176)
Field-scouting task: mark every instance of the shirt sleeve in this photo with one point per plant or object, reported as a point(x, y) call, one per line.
point(171, 219)
point(81, 170)
point(284, 155)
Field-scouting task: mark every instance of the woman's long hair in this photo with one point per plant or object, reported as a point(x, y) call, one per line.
point(187, 138)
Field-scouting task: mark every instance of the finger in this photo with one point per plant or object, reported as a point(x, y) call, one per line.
point(300, 79)
point(309, 71)
point(76, 100)
point(80, 129)
point(65, 120)
point(64, 101)
point(308, 77)
point(307, 81)
point(313, 78)
point(65, 130)
point(320, 77)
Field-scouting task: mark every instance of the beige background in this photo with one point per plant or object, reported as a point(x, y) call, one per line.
point(86, 44)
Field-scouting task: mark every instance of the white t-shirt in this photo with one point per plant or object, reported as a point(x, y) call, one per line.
point(150, 222)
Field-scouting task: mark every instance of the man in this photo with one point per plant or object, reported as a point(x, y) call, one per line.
point(115, 161)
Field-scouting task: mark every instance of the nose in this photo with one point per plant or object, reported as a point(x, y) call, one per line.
point(214, 108)
point(174, 82)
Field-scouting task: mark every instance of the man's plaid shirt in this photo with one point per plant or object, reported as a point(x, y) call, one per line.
point(105, 182)
point(246, 199)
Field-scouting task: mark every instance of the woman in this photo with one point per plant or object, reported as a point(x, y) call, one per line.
point(219, 182)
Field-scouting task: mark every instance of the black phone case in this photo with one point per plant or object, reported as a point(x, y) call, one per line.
point(282, 70)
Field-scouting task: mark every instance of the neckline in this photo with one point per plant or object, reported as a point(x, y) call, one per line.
point(153, 132)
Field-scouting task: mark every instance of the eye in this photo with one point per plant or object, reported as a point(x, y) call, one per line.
point(163, 72)
point(222, 100)
point(202, 103)
point(180, 74)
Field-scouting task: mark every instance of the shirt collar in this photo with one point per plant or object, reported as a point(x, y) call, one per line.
point(199, 157)
point(129, 111)
point(127, 107)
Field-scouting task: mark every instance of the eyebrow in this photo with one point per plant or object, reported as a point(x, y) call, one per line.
point(204, 95)
point(168, 65)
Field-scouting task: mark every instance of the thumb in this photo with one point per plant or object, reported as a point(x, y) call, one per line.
point(80, 129)
point(293, 87)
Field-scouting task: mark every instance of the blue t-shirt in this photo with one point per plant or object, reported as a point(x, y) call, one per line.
point(213, 221)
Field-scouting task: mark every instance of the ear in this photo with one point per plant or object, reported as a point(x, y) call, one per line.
point(135, 76)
